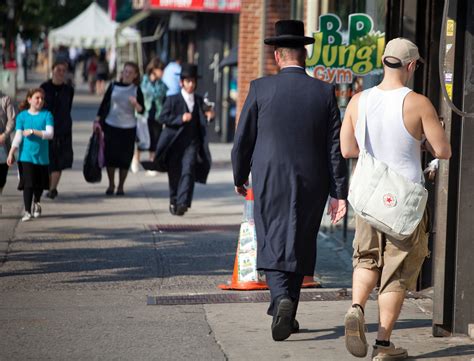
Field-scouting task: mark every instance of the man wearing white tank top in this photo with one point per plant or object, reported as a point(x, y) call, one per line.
point(399, 123)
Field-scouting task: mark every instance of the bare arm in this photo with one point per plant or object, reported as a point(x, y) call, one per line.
point(436, 137)
point(349, 147)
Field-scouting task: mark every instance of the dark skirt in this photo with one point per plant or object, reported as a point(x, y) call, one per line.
point(33, 176)
point(154, 128)
point(119, 146)
point(3, 174)
point(60, 153)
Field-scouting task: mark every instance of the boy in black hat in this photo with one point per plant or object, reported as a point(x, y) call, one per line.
point(182, 149)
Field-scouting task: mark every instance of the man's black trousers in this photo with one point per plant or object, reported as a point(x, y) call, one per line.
point(283, 283)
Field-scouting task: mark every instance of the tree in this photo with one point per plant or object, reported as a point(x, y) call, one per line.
point(32, 18)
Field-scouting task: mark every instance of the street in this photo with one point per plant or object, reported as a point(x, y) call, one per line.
point(74, 283)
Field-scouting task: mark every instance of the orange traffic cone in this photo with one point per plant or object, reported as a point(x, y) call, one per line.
point(245, 276)
point(310, 282)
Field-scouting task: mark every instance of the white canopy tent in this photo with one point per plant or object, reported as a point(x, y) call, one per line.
point(93, 29)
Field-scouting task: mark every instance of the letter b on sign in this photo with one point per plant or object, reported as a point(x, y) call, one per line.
point(359, 26)
point(329, 26)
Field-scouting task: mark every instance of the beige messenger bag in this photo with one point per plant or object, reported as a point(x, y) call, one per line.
point(385, 199)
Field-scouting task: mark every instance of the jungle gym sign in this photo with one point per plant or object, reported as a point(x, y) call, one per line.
point(336, 60)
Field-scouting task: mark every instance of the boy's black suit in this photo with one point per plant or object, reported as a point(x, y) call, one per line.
point(183, 149)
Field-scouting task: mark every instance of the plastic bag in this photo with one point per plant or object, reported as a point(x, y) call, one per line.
point(91, 169)
point(143, 133)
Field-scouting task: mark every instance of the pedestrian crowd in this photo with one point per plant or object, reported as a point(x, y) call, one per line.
point(292, 143)
point(130, 119)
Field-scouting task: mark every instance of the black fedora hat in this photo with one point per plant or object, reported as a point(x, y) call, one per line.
point(289, 34)
point(189, 71)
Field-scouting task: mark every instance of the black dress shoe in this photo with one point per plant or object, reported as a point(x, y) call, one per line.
point(282, 325)
point(173, 209)
point(295, 327)
point(53, 193)
point(181, 210)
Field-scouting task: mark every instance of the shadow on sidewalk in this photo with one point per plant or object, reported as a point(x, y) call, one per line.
point(338, 331)
point(462, 350)
point(151, 257)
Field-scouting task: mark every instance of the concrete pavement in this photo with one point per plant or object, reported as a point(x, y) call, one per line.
point(74, 283)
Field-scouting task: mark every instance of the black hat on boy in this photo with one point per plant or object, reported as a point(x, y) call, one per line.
point(189, 71)
point(289, 34)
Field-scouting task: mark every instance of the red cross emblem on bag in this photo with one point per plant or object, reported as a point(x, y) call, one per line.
point(389, 200)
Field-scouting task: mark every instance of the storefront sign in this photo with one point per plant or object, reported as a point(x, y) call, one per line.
point(338, 57)
point(228, 6)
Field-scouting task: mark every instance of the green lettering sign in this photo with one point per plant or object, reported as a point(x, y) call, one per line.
point(333, 60)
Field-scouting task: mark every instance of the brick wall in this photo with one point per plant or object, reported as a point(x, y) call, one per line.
point(276, 10)
point(251, 40)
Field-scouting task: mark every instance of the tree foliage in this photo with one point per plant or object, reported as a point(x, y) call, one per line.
point(32, 17)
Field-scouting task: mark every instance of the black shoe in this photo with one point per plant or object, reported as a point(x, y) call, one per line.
point(181, 210)
point(53, 193)
point(295, 327)
point(282, 325)
point(109, 192)
point(120, 193)
point(173, 209)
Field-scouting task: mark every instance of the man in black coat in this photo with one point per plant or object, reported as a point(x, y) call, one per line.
point(288, 138)
point(182, 149)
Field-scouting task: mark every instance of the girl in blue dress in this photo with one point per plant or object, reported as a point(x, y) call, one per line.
point(34, 127)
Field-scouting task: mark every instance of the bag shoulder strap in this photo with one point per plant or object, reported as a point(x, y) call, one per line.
point(362, 117)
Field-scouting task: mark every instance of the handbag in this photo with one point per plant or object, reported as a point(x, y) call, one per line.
point(385, 199)
point(91, 169)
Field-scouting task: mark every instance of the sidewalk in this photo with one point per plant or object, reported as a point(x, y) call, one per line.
point(74, 283)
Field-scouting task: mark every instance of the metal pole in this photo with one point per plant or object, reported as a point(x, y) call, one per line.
point(463, 97)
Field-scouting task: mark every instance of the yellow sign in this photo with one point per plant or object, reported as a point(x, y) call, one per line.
point(450, 26)
point(449, 90)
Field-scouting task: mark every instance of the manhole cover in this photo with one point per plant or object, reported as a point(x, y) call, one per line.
point(243, 297)
point(195, 227)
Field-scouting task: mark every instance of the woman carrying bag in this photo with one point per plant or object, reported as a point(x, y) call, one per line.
point(154, 92)
point(116, 117)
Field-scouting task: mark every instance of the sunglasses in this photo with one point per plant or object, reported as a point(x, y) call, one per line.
point(418, 64)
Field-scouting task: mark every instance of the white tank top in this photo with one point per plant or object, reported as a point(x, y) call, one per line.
point(387, 138)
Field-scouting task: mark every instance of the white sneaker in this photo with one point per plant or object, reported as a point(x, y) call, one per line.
point(26, 217)
point(36, 210)
point(151, 173)
point(135, 166)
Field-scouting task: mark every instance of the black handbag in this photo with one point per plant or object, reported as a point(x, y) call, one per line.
point(91, 170)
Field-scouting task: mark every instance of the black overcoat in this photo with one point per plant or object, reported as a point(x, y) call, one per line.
point(288, 138)
point(171, 116)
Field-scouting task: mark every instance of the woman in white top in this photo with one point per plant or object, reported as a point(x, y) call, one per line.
point(116, 117)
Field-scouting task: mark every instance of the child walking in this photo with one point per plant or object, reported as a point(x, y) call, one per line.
point(183, 145)
point(34, 127)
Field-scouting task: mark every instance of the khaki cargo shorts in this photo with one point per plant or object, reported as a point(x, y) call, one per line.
point(399, 262)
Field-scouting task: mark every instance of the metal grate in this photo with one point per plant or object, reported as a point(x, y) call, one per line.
point(243, 297)
point(256, 297)
point(195, 227)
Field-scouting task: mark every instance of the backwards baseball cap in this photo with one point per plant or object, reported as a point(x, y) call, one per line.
point(399, 52)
